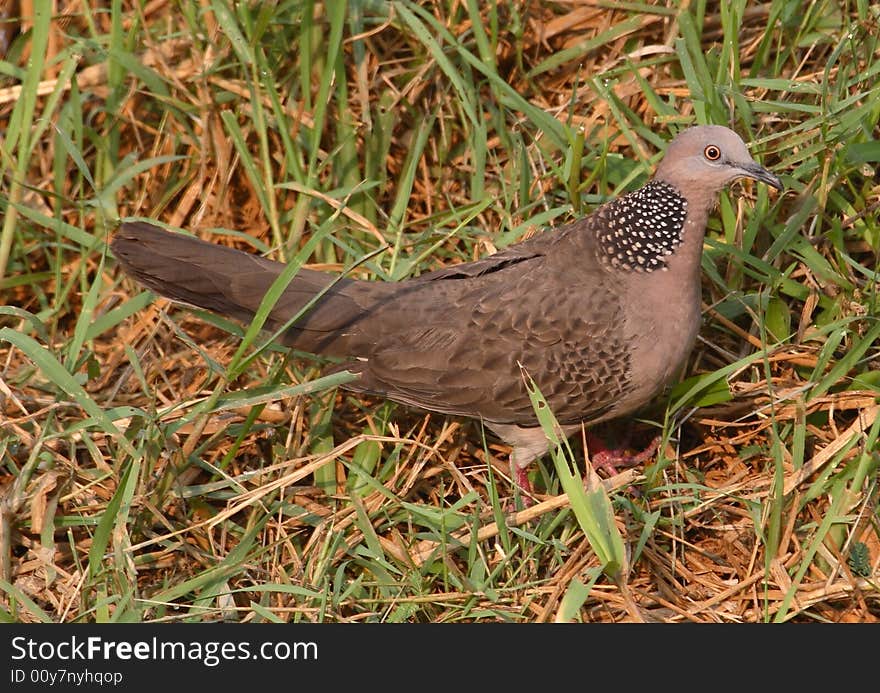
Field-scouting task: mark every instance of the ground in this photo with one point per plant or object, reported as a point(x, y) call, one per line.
point(155, 471)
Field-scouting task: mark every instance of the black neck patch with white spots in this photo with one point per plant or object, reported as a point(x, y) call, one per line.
point(642, 228)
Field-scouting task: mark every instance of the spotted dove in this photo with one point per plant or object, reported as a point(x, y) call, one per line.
point(601, 313)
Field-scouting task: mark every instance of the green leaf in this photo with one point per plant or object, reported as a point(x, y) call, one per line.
point(862, 152)
point(591, 508)
point(715, 390)
point(110, 517)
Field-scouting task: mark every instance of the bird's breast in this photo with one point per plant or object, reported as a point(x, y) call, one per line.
point(662, 318)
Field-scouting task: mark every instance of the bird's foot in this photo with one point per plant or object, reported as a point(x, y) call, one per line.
point(613, 461)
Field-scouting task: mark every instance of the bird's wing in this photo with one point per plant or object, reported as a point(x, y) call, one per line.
point(454, 343)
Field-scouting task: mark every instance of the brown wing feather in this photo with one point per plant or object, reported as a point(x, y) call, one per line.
point(460, 347)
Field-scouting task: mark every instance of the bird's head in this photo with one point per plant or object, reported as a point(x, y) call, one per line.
point(707, 158)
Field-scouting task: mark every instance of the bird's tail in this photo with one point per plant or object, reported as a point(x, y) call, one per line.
point(233, 283)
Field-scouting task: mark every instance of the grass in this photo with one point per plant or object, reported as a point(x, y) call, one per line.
point(157, 468)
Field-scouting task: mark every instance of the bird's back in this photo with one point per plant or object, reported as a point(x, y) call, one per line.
point(457, 340)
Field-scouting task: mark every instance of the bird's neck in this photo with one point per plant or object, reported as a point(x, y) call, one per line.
point(686, 260)
point(641, 230)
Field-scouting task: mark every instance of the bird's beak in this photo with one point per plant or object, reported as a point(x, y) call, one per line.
point(757, 172)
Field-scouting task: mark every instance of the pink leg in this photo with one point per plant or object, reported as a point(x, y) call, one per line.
point(613, 461)
point(521, 477)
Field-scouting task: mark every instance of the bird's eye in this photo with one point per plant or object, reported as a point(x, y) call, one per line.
point(712, 153)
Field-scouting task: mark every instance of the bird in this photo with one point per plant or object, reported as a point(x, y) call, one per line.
point(601, 313)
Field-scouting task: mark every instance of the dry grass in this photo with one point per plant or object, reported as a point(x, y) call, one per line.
point(138, 485)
